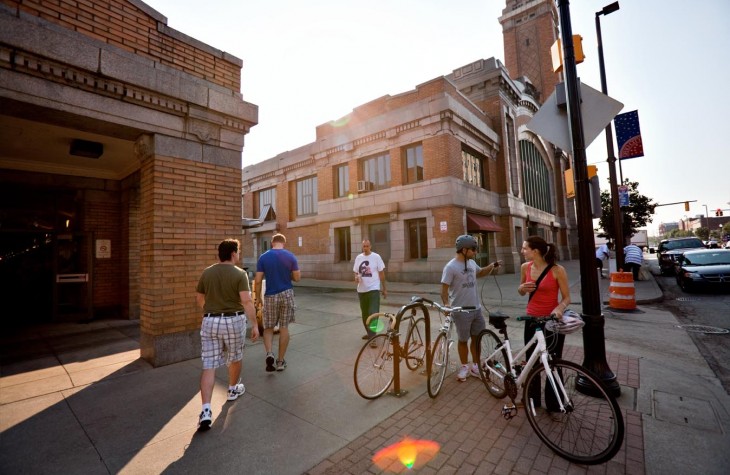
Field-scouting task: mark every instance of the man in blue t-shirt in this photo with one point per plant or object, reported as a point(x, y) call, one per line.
point(279, 267)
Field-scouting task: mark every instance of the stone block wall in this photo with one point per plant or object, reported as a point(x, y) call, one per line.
point(135, 27)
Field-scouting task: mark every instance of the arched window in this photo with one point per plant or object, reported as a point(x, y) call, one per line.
point(535, 178)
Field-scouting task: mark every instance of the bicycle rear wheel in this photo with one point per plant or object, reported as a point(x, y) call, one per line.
point(439, 365)
point(415, 344)
point(591, 430)
point(493, 364)
point(374, 367)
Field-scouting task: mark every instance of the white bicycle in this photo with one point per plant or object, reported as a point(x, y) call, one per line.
point(580, 421)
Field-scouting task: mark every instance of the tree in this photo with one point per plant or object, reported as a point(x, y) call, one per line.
point(674, 233)
point(702, 233)
point(635, 216)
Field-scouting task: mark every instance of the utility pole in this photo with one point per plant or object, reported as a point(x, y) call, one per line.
point(594, 342)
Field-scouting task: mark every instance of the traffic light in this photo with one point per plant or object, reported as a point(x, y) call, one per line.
point(686, 205)
point(718, 212)
point(556, 53)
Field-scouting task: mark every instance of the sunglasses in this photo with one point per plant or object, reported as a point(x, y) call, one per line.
point(474, 249)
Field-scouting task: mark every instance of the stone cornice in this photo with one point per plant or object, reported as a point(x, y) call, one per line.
point(25, 62)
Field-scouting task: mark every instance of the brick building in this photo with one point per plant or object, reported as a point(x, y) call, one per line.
point(120, 167)
point(413, 171)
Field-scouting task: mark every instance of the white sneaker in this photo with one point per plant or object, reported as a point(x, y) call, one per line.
point(237, 391)
point(463, 372)
point(204, 420)
point(474, 371)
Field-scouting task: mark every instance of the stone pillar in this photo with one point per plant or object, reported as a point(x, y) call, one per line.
point(189, 202)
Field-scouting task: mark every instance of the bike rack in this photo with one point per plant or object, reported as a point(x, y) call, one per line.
point(395, 340)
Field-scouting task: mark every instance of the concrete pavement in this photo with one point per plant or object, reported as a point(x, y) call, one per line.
point(76, 398)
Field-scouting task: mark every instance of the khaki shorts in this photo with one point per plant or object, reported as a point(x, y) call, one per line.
point(468, 323)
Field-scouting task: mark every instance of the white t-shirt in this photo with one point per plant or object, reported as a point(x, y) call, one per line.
point(602, 252)
point(369, 268)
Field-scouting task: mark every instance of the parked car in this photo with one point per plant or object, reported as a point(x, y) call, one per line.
point(671, 249)
point(704, 269)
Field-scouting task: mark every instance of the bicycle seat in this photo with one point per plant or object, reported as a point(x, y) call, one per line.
point(497, 319)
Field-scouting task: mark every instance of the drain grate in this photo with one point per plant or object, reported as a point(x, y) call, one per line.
point(704, 329)
point(688, 299)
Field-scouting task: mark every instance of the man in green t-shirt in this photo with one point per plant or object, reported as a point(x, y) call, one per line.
point(223, 292)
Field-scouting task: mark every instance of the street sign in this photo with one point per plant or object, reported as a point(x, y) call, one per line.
point(623, 195)
point(597, 110)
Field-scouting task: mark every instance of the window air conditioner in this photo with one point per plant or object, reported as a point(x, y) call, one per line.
point(363, 186)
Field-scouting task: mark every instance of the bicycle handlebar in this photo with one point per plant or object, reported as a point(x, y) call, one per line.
point(441, 308)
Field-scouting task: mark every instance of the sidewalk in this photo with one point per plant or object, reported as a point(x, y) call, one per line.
point(77, 399)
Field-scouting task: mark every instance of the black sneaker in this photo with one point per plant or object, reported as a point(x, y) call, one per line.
point(270, 360)
point(205, 419)
point(280, 365)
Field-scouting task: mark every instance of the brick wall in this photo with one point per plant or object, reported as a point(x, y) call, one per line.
point(185, 211)
point(126, 26)
point(442, 157)
point(102, 218)
point(454, 218)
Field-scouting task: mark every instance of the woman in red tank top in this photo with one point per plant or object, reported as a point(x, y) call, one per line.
point(543, 299)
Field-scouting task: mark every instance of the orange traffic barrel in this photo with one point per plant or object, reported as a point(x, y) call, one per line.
point(621, 292)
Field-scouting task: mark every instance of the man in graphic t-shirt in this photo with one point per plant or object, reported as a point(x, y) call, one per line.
point(369, 272)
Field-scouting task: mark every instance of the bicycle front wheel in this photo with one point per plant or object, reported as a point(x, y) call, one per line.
point(591, 430)
point(374, 367)
point(439, 365)
point(415, 346)
point(493, 363)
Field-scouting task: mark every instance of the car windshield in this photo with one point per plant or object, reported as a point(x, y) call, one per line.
point(683, 243)
point(707, 259)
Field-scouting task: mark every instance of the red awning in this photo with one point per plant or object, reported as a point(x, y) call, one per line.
point(477, 222)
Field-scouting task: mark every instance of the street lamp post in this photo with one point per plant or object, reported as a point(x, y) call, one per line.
point(594, 340)
point(617, 225)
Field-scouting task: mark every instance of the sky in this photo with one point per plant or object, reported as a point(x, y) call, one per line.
point(306, 63)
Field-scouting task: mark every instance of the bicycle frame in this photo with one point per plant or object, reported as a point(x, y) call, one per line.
point(540, 353)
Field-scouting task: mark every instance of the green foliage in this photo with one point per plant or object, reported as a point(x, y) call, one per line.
point(679, 233)
point(702, 233)
point(635, 216)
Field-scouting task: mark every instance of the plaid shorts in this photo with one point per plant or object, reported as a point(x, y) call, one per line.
point(468, 323)
point(279, 309)
point(222, 340)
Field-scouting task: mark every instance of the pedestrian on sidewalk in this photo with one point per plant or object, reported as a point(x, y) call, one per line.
point(633, 257)
point(459, 289)
point(369, 270)
point(223, 292)
point(602, 254)
point(542, 279)
point(279, 267)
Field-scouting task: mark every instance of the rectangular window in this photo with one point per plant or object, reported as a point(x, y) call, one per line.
point(343, 249)
point(307, 196)
point(473, 168)
point(414, 164)
point(343, 181)
point(417, 238)
point(376, 171)
point(267, 197)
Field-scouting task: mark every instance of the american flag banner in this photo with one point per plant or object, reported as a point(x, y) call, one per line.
point(628, 135)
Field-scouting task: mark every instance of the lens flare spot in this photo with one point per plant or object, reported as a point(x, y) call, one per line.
point(341, 122)
point(407, 454)
point(350, 196)
point(377, 325)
